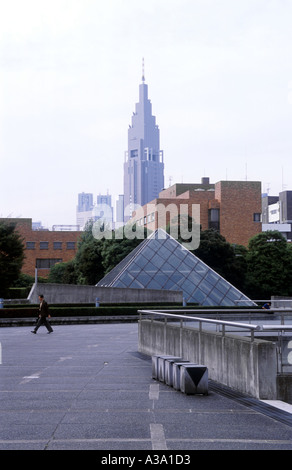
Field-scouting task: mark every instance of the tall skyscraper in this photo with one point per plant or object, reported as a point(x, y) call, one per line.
point(143, 166)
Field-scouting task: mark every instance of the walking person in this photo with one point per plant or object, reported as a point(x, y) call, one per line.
point(43, 315)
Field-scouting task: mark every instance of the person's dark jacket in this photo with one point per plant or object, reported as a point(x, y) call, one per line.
point(44, 309)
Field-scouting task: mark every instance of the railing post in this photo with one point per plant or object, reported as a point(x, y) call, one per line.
point(180, 338)
point(281, 351)
point(199, 342)
point(165, 335)
point(200, 326)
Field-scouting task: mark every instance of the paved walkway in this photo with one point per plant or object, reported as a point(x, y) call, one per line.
point(86, 387)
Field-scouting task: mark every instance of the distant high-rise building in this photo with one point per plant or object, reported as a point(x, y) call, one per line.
point(119, 211)
point(104, 208)
point(88, 211)
point(85, 202)
point(144, 166)
point(104, 199)
point(84, 208)
point(277, 213)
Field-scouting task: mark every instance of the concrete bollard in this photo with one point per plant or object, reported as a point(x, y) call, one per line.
point(194, 379)
point(168, 372)
point(158, 366)
point(155, 367)
point(176, 374)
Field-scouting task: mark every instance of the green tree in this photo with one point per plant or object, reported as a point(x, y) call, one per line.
point(88, 259)
point(226, 259)
point(11, 256)
point(269, 265)
point(24, 280)
point(64, 273)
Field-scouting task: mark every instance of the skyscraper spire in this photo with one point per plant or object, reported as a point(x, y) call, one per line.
point(143, 166)
point(143, 71)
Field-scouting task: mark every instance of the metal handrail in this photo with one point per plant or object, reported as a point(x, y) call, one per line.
point(226, 310)
point(276, 327)
point(224, 323)
point(249, 326)
point(263, 300)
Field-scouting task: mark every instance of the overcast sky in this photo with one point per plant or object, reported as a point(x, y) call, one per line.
point(219, 75)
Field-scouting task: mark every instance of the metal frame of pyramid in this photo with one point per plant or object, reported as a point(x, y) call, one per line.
point(161, 262)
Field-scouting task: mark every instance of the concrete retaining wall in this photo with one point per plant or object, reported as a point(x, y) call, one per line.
point(69, 293)
point(244, 365)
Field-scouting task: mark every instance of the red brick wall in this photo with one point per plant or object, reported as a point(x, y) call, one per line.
point(239, 201)
point(24, 228)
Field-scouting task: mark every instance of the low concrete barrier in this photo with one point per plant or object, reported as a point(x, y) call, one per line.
point(69, 293)
point(233, 360)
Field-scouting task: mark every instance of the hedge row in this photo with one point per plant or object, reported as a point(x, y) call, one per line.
point(92, 304)
point(18, 292)
point(79, 311)
point(68, 311)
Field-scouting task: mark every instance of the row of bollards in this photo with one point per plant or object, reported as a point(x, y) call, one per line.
point(188, 377)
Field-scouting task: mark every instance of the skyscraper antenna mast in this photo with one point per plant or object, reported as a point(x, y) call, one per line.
point(143, 71)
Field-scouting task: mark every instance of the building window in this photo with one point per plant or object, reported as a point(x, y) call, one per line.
point(214, 219)
point(47, 263)
point(257, 217)
point(134, 153)
point(30, 245)
point(57, 245)
point(70, 245)
point(44, 245)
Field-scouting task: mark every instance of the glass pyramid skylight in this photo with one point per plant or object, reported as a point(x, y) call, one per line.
point(161, 262)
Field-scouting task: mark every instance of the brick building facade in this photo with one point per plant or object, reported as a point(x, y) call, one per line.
point(240, 210)
point(231, 207)
point(44, 248)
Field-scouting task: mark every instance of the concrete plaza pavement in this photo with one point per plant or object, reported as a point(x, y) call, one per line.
point(86, 387)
